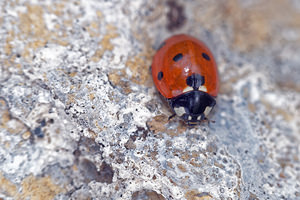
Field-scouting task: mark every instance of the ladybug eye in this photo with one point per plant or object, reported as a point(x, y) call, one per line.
point(160, 75)
point(205, 56)
point(178, 57)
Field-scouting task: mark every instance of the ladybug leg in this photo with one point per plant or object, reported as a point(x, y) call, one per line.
point(208, 120)
point(171, 117)
point(191, 125)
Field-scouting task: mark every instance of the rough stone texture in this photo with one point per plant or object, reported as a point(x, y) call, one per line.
point(81, 119)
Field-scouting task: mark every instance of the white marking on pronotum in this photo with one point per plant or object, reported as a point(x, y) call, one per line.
point(187, 89)
point(179, 111)
point(186, 69)
point(207, 110)
point(202, 88)
point(190, 117)
point(199, 118)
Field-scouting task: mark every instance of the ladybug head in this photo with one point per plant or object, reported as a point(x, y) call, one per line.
point(193, 106)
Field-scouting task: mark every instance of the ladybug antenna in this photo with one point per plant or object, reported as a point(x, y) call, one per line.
point(208, 120)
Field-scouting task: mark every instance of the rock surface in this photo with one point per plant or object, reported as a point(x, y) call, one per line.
point(80, 117)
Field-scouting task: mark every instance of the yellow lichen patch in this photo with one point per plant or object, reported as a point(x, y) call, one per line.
point(116, 79)
point(140, 64)
point(45, 77)
point(71, 99)
point(186, 181)
point(37, 43)
point(252, 107)
point(15, 126)
point(285, 114)
point(60, 42)
point(57, 131)
point(140, 67)
point(182, 168)
point(92, 133)
point(153, 154)
point(195, 163)
point(12, 125)
point(99, 14)
point(157, 124)
point(219, 165)
point(5, 117)
point(32, 27)
point(251, 28)
point(39, 188)
point(57, 8)
point(7, 144)
point(180, 129)
point(72, 74)
point(253, 196)
point(195, 195)
point(99, 127)
point(67, 23)
point(93, 29)
point(274, 111)
point(92, 96)
point(8, 46)
point(32, 22)
point(169, 164)
point(288, 84)
point(147, 194)
point(26, 135)
point(2, 102)
point(7, 187)
point(35, 14)
point(226, 86)
point(253, 25)
point(185, 156)
point(105, 43)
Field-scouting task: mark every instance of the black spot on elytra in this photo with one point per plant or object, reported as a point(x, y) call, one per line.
point(160, 75)
point(195, 81)
point(161, 45)
point(205, 56)
point(178, 57)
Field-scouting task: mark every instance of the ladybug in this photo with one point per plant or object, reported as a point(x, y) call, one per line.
point(185, 74)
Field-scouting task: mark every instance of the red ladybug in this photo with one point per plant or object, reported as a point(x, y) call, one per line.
point(185, 73)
